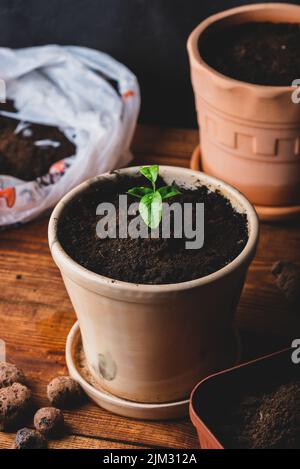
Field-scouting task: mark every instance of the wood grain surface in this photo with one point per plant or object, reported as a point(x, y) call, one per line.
point(36, 314)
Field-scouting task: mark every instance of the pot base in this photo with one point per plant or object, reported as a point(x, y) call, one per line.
point(265, 213)
point(78, 370)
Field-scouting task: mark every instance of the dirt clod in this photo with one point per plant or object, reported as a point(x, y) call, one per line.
point(287, 276)
point(64, 392)
point(49, 421)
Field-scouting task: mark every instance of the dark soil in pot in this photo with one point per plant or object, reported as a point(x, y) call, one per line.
point(28, 150)
point(264, 421)
point(151, 261)
point(259, 53)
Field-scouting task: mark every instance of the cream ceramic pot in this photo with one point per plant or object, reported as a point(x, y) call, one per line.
point(153, 343)
point(250, 134)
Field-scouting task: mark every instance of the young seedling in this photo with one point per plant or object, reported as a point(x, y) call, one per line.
point(150, 206)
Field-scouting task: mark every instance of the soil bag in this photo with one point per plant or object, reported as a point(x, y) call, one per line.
point(85, 94)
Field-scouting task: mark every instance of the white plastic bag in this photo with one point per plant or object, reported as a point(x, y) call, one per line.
point(67, 87)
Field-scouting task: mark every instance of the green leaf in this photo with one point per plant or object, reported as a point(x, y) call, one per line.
point(150, 172)
point(139, 191)
point(168, 191)
point(150, 208)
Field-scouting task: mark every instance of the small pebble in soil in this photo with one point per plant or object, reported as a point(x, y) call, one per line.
point(15, 402)
point(287, 277)
point(64, 392)
point(26, 438)
point(9, 374)
point(49, 421)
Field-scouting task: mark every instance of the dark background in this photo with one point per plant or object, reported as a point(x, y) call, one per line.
point(149, 36)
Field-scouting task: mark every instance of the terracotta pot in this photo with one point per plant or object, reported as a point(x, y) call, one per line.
point(152, 343)
point(250, 134)
point(235, 383)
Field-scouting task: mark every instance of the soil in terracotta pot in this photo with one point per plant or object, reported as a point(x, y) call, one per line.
point(151, 261)
point(28, 150)
point(259, 53)
point(266, 421)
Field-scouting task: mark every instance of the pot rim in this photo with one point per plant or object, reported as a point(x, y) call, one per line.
point(198, 61)
point(66, 263)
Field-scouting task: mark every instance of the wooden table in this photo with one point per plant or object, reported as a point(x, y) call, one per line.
point(36, 314)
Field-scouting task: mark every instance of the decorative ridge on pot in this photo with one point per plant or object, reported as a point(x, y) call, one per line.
point(249, 133)
point(152, 343)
